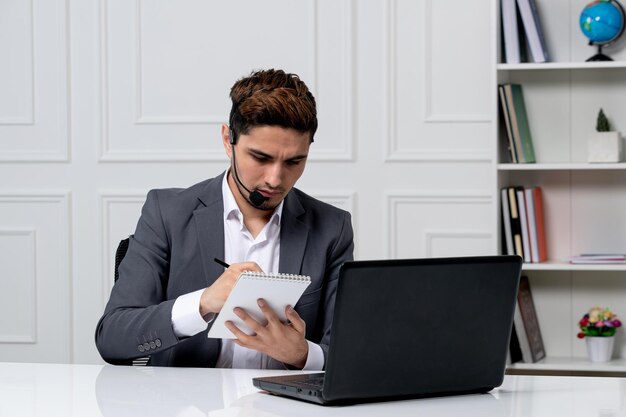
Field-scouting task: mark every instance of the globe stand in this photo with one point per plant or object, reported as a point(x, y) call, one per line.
point(599, 56)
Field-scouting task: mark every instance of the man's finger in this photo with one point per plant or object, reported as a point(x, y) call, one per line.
point(296, 322)
point(270, 315)
point(236, 331)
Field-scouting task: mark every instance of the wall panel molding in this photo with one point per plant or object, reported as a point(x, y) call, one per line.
point(431, 236)
point(28, 301)
point(42, 135)
point(429, 64)
point(394, 152)
point(422, 200)
point(43, 216)
point(341, 146)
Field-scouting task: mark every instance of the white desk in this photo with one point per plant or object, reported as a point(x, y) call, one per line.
point(94, 390)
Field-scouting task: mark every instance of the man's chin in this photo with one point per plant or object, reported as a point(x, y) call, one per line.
point(270, 204)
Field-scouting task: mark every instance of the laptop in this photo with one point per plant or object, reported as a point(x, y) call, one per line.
point(413, 328)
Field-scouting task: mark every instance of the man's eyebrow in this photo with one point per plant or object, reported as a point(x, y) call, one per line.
point(268, 156)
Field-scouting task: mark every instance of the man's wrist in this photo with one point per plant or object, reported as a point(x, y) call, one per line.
point(186, 319)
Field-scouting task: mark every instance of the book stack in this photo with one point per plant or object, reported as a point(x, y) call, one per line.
point(526, 342)
point(515, 15)
point(523, 223)
point(513, 110)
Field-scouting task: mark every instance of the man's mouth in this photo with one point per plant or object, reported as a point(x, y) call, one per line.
point(269, 194)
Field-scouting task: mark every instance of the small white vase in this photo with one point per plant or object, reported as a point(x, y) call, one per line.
point(599, 349)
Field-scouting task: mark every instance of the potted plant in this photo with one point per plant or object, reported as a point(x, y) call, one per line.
point(598, 328)
point(604, 145)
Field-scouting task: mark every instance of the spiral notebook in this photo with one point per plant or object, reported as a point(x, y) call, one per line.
point(279, 290)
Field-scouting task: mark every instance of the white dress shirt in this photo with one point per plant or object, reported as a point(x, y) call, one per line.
point(240, 246)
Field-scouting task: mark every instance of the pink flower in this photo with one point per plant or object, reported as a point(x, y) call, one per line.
point(617, 323)
point(599, 324)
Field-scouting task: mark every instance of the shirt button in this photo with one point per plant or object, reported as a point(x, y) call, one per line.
point(146, 345)
point(152, 345)
point(140, 348)
point(157, 342)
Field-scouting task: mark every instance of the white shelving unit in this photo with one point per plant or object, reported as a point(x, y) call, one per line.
point(584, 204)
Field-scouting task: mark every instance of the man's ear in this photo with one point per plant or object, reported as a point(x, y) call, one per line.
point(226, 140)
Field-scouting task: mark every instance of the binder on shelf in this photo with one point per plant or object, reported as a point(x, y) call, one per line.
point(519, 123)
point(278, 290)
point(527, 325)
point(508, 248)
point(533, 30)
point(536, 227)
point(516, 227)
point(507, 123)
point(523, 216)
point(510, 31)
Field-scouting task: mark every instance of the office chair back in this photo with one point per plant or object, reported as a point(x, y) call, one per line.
point(122, 248)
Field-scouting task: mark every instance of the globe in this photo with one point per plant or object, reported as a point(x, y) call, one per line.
point(602, 22)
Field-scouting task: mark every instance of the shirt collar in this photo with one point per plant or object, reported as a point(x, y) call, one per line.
point(231, 209)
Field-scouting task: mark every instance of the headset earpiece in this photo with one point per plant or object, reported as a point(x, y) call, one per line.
point(231, 136)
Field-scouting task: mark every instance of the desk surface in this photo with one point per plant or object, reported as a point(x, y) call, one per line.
point(95, 390)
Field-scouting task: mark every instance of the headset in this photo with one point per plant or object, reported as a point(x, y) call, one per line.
point(256, 198)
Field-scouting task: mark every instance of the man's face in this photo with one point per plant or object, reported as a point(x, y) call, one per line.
point(269, 159)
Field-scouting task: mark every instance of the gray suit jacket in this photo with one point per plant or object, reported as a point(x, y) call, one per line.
point(179, 233)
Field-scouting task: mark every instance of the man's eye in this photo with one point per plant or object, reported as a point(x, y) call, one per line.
point(295, 162)
point(259, 158)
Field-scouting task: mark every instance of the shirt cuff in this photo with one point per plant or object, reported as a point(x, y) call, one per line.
point(315, 359)
point(186, 318)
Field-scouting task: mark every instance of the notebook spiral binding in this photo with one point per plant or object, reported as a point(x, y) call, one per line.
point(274, 276)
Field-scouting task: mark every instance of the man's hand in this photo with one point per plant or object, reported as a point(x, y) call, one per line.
point(283, 342)
point(214, 297)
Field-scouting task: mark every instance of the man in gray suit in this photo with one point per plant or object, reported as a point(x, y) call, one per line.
point(170, 289)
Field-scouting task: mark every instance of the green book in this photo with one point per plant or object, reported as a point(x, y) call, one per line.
point(523, 128)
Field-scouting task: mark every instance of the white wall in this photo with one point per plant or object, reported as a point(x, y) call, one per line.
point(104, 99)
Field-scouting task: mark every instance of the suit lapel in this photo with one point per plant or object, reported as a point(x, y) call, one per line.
point(293, 236)
point(210, 227)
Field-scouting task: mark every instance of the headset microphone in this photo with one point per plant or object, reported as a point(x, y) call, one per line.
point(256, 198)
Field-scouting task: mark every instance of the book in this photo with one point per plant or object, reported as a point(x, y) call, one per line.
point(508, 247)
point(520, 336)
point(510, 105)
point(507, 123)
point(515, 353)
point(516, 226)
point(536, 227)
point(278, 290)
point(527, 325)
point(520, 125)
point(510, 31)
point(522, 208)
point(598, 258)
point(532, 28)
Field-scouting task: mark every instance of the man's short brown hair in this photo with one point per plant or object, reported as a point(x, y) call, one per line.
point(272, 98)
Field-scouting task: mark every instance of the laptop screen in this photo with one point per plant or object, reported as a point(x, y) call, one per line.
point(421, 326)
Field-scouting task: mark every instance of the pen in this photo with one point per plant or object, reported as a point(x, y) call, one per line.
point(224, 264)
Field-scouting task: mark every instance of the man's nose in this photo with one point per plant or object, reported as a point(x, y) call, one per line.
point(273, 176)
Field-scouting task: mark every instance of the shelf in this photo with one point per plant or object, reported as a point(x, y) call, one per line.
point(566, 266)
point(570, 365)
point(561, 66)
point(562, 166)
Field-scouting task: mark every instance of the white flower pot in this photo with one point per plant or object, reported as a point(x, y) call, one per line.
point(599, 349)
point(604, 147)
